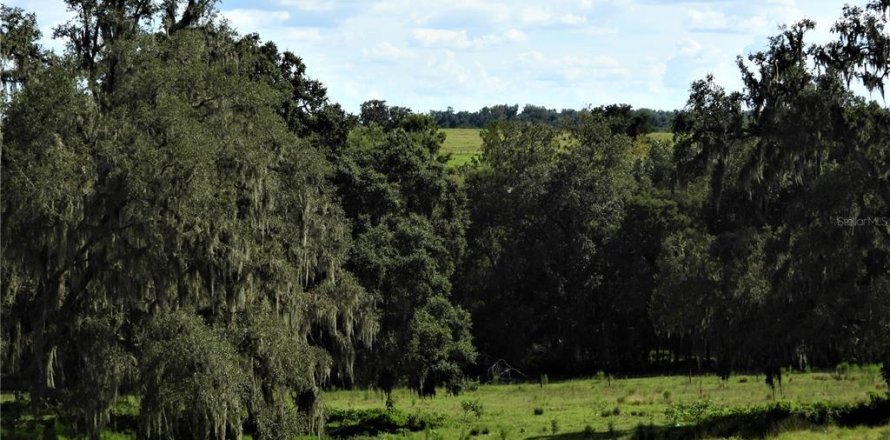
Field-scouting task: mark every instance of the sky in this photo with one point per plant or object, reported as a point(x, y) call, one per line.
point(467, 54)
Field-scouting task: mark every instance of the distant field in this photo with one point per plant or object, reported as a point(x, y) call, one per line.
point(592, 408)
point(462, 143)
point(465, 143)
point(661, 136)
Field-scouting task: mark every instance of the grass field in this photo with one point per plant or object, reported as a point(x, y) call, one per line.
point(600, 408)
point(462, 143)
point(465, 143)
point(583, 408)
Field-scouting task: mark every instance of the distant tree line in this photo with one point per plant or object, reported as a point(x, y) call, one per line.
point(188, 219)
point(645, 120)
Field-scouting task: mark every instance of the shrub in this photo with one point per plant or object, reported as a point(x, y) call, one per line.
point(842, 371)
point(554, 426)
point(666, 395)
point(688, 413)
point(539, 411)
point(472, 407)
point(459, 386)
point(371, 422)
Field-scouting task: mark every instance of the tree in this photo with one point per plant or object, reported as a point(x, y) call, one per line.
point(781, 181)
point(164, 203)
point(542, 214)
point(409, 217)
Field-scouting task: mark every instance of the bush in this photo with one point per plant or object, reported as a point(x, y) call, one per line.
point(703, 420)
point(472, 407)
point(458, 386)
point(371, 422)
point(688, 413)
point(842, 371)
point(539, 411)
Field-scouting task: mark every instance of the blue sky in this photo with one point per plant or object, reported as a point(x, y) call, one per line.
point(431, 54)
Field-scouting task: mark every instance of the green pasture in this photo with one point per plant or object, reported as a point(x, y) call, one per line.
point(594, 408)
point(463, 144)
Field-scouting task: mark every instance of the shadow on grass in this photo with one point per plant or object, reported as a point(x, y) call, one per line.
point(18, 422)
point(754, 423)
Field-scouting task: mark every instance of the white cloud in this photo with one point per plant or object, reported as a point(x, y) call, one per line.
point(689, 47)
point(302, 34)
point(308, 5)
point(469, 78)
point(442, 37)
point(252, 20)
point(597, 31)
point(717, 21)
point(573, 20)
point(515, 35)
point(538, 16)
point(656, 77)
point(574, 68)
point(460, 39)
point(535, 15)
point(385, 51)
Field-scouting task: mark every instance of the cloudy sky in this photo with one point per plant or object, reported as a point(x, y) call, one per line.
point(431, 54)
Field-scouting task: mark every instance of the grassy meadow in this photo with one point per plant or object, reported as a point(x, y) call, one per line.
point(463, 144)
point(620, 408)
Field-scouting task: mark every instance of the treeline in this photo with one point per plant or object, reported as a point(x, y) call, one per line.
point(644, 120)
point(188, 219)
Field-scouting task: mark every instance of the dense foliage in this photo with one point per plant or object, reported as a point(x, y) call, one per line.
point(187, 218)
